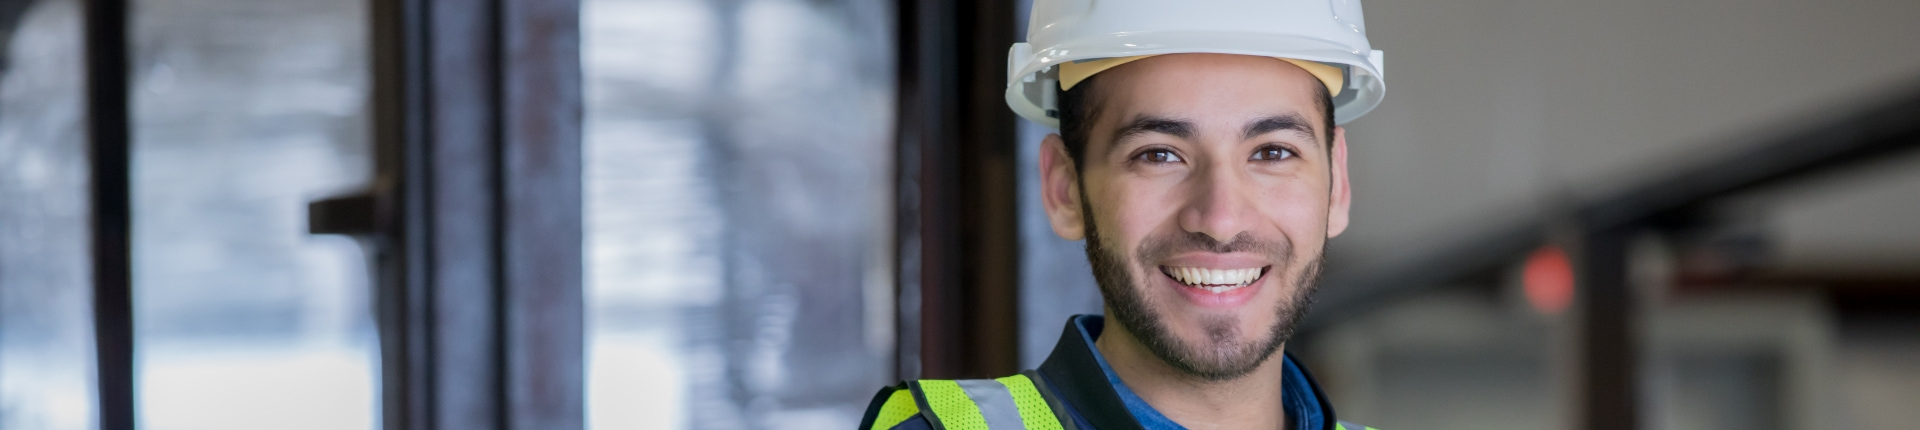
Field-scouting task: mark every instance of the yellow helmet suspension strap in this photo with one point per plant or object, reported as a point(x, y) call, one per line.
point(1072, 72)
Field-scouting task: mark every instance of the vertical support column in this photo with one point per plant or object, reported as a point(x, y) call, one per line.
point(992, 225)
point(540, 192)
point(478, 201)
point(960, 232)
point(110, 157)
point(1609, 348)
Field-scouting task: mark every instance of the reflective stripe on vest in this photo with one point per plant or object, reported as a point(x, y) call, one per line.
point(1012, 402)
point(1343, 425)
point(1034, 412)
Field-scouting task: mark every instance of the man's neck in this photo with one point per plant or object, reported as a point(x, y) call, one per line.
point(1249, 402)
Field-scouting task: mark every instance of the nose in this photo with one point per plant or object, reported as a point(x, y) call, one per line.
point(1219, 205)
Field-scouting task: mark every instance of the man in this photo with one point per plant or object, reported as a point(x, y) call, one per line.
point(1199, 158)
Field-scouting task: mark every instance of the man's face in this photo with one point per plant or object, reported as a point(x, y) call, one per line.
point(1206, 194)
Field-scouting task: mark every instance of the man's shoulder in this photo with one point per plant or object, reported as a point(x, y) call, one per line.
point(891, 407)
point(915, 422)
point(967, 403)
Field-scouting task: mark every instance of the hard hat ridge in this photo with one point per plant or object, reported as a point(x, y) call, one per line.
point(1308, 33)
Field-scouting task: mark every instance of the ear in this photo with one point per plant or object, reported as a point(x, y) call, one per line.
point(1341, 200)
point(1060, 189)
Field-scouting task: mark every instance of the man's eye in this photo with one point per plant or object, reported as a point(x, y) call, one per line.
point(1272, 153)
point(1159, 156)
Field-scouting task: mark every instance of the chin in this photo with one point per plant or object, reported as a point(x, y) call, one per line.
point(1206, 323)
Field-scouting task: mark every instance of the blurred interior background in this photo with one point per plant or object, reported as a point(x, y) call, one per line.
point(718, 214)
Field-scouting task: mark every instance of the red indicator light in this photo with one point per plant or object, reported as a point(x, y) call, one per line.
point(1548, 278)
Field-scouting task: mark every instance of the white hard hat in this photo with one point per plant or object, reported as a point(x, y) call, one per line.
point(1106, 33)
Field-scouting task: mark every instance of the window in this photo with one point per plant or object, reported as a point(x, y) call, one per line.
point(243, 111)
point(46, 337)
point(739, 170)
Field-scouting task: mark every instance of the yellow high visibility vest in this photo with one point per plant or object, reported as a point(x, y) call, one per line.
point(971, 404)
point(1011, 402)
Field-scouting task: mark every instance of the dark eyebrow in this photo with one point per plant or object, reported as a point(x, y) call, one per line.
point(1152, 124)
point(1144, 124)
point(1292, 121)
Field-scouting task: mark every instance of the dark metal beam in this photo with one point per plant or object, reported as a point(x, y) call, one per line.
point(109, 151)
point(959, 231)
point(1876, 132)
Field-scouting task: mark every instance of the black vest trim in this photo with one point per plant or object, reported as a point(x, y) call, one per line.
point(1076, 377)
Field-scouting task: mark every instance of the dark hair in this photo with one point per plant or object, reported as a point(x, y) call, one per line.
point(1077, 109)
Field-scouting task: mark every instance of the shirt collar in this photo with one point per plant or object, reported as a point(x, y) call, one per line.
point(1099, 395)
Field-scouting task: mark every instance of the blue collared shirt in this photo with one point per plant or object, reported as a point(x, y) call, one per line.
point(1301, 405)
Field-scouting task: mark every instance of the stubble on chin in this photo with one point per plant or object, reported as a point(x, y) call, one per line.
point(1225, 353)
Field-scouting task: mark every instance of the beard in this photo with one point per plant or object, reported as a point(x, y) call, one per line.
point(1225, 354)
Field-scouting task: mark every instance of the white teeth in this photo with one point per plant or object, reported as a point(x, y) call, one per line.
point(1214, 280)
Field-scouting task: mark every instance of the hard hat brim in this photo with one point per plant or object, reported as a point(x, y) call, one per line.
point(1032, 71)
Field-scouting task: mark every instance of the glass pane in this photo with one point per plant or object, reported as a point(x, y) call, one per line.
point(46, 335)
point(739, 211)
point(245, 110)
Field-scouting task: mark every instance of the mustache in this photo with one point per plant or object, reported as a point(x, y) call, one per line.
point(1161, 247)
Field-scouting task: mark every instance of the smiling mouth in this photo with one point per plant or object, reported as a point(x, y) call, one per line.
point(1214, 280)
